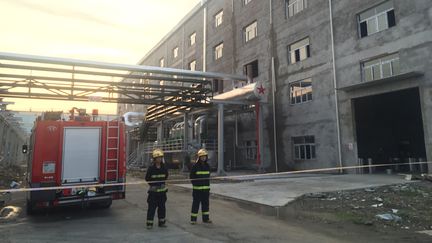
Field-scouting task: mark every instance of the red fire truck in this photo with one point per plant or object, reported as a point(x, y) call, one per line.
point(79, 151)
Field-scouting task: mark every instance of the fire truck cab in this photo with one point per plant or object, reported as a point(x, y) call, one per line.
point(79, 155)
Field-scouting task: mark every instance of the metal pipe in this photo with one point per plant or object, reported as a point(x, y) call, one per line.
point(220, 168)
point(122, 67)
point(204, 39)
point(236, 139)
point(185, 139)
point(335, 87)
point(135, 115)
point(274, 115)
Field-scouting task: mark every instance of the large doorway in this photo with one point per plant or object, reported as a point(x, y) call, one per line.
point(389, 129)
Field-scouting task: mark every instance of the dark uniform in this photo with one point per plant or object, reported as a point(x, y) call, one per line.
point(201, 190)
point(156, 193)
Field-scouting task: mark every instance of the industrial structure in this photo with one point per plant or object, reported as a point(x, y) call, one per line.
point(12, 136)
point(38, 77)
point(340, 83)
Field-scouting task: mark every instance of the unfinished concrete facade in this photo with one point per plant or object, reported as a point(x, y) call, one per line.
point(318, 55)
point(12, 138)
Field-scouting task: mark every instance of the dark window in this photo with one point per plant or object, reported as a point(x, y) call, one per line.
point(304, 148)
point(391, 18)
point(363, 29)
point(299, 51)
point(251, 69)
point(218, 86)
point(376, 19)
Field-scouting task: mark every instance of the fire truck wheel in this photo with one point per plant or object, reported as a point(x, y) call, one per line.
point(106, 204)
point(30, 208)
point(101, 205)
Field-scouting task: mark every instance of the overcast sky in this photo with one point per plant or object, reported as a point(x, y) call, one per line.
point(119, 31)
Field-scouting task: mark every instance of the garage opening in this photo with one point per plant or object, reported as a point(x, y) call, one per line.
point(389, 129)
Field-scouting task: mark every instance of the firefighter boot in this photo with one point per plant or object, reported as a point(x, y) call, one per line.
point(162, 223)
point(149, 224)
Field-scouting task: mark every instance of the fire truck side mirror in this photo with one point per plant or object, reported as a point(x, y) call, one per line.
point(24, 149)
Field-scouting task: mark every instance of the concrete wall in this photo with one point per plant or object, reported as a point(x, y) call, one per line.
point(411, 37)
point(317, 117)
point(11, 141)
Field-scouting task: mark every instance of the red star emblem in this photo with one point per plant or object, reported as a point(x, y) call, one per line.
point(261, 89)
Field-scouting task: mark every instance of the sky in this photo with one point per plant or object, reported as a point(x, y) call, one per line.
point(116, 31)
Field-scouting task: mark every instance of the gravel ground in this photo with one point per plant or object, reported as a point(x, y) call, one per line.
point(406, 207)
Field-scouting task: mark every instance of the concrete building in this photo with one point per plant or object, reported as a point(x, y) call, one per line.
point(347, 82)
point(12, 137)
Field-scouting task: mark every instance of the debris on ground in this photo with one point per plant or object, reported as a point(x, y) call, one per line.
point(11, 176)
point(389, 217)
point(14, 185)
point(387, 208)
point(316, 195)
point(9, 213)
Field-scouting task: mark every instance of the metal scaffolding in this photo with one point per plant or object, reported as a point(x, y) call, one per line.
point(37, 77)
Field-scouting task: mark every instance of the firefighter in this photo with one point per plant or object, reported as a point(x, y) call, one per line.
point(201, 188)
point(157, 190)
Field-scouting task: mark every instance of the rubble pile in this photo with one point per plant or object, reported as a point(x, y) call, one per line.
point(404, 206)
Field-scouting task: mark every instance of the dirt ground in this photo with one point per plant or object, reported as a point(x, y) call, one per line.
point(9, 173)
point(408, 208)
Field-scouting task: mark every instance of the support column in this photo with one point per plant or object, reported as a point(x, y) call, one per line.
point(160, 132)
point(220, 168)
point(185, 140)
point(259, 135)
point(236, 142)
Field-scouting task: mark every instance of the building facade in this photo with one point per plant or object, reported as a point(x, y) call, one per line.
point(350, 82)
point(12, 137)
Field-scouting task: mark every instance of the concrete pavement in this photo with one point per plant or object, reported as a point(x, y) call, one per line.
point(278, 192)
point(125, 222)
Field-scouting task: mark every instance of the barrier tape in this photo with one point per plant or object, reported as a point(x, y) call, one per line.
point(174, 181)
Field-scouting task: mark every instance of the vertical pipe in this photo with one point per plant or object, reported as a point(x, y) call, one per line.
point(411, 165)
point(185, 139)
point(370, 165)
point(183, 48)
point(274, 115)
point(258, 134)
point(236, 141)
point(335, 87)
point(220, 168)
point(204, 39)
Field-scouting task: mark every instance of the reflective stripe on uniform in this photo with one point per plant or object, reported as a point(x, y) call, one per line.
point(162, 190)
point(158, 176)
point(201, 187)
point(150, 221)
point(206, 213)
point(203, 172)
point(194, 214)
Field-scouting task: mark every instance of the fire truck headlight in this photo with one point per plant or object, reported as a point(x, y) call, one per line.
point(24, 149)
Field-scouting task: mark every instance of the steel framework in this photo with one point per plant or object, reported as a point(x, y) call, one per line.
point(166, 90)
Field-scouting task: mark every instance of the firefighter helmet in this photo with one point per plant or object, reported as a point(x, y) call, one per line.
point(202, 152)
point(158, 153)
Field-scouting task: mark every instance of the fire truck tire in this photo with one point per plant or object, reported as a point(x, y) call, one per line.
point(106, 204)
point(102, 205)
point(30, 208)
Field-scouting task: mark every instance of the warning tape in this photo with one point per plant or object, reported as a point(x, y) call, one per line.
point(173, 181)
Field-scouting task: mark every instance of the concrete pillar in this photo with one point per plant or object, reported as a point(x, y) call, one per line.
point(370, 163)
point(261, 135)
point(236, 142)
point(160, 131)
point(220, 168)
point(185, 139)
